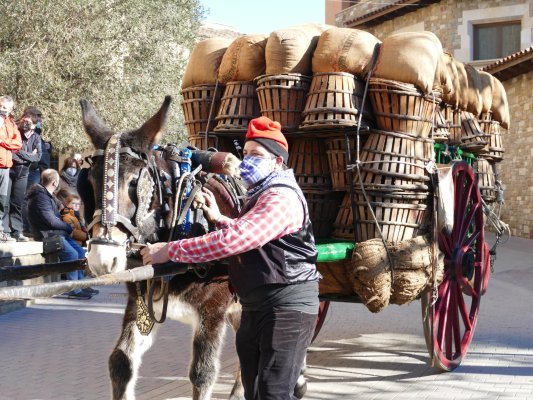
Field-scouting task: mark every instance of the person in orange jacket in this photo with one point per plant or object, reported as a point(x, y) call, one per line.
point(71, 215)
point(10, 141)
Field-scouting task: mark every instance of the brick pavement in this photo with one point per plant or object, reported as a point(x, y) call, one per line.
point(57, 349)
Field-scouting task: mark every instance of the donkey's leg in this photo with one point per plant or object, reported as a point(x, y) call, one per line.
point(234, 318)
point(207, 345)
point(125, 359)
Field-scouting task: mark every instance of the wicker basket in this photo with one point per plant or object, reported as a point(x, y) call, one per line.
point(338, 160)
point(391, 159)
point(238, 106)
point(485, 179)
point(473, 139)
point(323, 208)
point(282, 98)
point(441, 134)
point(309, 161)
point(453, 117)
point(335, 99)
point(213, 142)
point(400, 216)
point(494, 149)
point(197, 104)
point(401, 107)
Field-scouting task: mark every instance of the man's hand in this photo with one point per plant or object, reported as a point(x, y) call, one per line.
point(210, 208)
point(156, 253)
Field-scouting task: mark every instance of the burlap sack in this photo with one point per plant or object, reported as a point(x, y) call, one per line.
point(244, 60)
point(413, 269)
point(371, 276)
point(463, 85)
point(344, 50)
point(443, 82)
point(500, 105)
point(412, 261)
point(452, 97)
point(486, 89)
point(410, 57)
point(291, 50)
point(474, 102)
point(204, 62)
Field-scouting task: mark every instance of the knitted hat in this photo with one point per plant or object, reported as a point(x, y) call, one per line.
point(268, 134)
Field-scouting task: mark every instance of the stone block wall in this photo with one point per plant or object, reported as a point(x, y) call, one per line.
point(517, 167)
point(447, 20)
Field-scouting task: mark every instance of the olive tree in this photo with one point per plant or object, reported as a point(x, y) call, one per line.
point(122, 55)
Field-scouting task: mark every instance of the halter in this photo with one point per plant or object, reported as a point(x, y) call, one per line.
point(108, 214)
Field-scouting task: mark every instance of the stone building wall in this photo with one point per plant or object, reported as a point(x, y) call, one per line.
point(449, 20)
point(517, 167)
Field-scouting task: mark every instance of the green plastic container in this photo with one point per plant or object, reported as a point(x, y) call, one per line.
point(329, 250)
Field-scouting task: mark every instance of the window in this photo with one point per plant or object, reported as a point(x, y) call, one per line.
point(498, 40)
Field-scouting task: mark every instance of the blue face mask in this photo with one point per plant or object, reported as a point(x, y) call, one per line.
point(255, 169)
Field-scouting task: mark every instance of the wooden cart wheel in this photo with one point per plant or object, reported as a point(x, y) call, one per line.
point(322, 311)
point(449, 323)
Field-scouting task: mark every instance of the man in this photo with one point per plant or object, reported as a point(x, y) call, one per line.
point(272, 264)
point(35, 170)
point(18, 175)
point(45, 221)
point(10, 141)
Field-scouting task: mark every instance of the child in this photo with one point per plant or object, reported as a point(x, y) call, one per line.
point(71, 215)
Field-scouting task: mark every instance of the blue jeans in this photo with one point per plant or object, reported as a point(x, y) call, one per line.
point(72, 251)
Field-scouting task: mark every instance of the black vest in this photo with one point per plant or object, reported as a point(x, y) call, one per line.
point(288, 260)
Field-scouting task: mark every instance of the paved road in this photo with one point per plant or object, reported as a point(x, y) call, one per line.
point(57, 349)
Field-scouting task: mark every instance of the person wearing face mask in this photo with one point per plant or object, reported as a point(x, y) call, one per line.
point(10, 141)
point(30, 152)
point(272, 269)
point(45, 221)
point(69, 175)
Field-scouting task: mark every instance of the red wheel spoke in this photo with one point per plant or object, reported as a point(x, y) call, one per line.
point(456, 323)
point(464, 313)
point(472, 239)
point(467, 224)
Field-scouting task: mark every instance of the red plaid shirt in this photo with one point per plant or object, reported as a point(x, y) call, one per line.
point(278, 212)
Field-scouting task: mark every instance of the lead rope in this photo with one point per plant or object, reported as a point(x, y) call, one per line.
point(358, 164)
point(210, 114)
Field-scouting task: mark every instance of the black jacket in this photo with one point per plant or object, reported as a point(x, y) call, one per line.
point(288, 260)
point(43, 213)
point(26, 156)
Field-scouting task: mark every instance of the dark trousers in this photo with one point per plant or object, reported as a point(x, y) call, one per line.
point(4, 194)
point(34, 176)
point(18, 179)
point(271, 347)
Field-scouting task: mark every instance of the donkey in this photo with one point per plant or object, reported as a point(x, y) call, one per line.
point(137, 215)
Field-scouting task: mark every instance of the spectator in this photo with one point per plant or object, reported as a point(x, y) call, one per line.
point(69, 175)
point(45, 221)
point(35, 167)
point(18, 175)
point(9, 141)
point(71, 215)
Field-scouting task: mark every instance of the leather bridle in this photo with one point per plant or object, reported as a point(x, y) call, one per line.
point(107, 214)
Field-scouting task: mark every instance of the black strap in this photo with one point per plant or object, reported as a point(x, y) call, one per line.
point(150, 301)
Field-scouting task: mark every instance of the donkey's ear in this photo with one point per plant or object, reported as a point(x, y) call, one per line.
point(149, 133)
point(97, 130)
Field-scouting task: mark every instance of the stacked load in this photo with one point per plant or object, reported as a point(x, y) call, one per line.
point(342, 96)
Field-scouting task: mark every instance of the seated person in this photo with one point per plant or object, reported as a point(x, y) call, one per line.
point(45, 220)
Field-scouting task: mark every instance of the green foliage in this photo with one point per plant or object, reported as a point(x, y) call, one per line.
point(122, 55)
